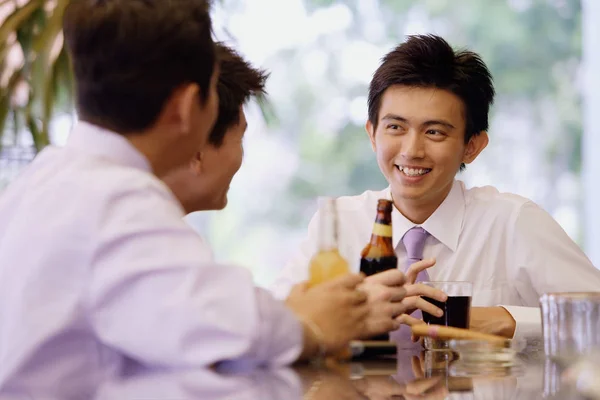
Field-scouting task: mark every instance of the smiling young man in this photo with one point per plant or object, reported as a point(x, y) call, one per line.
point(428, 118)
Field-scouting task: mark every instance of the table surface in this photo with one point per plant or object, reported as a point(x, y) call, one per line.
point(409, 375)
point(436, 375)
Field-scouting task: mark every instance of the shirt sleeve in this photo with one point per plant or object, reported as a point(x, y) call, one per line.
point(545, 260)
point(157, 296)
point(297, 269)
point(528, 321)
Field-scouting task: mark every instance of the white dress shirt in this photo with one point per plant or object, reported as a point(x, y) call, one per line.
point(98, 267)
point(507, 246)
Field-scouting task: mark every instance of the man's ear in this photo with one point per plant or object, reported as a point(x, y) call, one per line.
point(178, 109)
point(475, 146)
point(196, 163)
point(371, 132)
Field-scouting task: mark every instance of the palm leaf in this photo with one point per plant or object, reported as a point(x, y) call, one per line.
point(14, 21)
point(46, 67)
point(5, 100)
point(27, 30)
point(64, 83)
point(43, 74)
point(34, 128)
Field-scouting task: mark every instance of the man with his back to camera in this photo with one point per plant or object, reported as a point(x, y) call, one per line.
point(116, 277)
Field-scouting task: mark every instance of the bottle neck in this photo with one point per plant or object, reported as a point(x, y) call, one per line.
point(328, 226)
point(382, 228)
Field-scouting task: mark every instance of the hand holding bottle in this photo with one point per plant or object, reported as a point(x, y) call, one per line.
point(385, 292)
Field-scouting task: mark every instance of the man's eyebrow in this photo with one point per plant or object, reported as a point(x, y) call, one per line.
point(438, 122)
point(394, 117)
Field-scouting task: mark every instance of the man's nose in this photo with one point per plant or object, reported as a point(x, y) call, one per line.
point(413, 145)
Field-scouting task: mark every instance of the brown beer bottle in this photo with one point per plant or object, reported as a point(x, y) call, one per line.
point(379, 255)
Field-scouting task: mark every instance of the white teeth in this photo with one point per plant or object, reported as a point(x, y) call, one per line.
point(413, 171)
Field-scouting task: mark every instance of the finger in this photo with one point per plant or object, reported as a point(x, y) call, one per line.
point(357, 297)
point(378, 326)
point(423, 385)
point(413, 271)
point(441, 392)
point(349, 281)
point(427, 307)
point(411, 304)
point(397, 309)
point(391, 277)
point(419, 289)
point(433, 388)
point(375, 291)
point(378, 292)
point(416, 367)
point(361, 312)
point(406, 319)
point(416, 339)
point(397, 294)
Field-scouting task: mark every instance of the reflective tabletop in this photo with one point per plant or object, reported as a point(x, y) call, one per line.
point(408, 375)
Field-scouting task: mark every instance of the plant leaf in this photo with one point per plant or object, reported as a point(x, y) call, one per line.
point(45, 39)
point(65, 88)
point(5, 100)
point(18, 17)
point(5, 2)
point(26, 31)
point(43, 75)
point(31, 122)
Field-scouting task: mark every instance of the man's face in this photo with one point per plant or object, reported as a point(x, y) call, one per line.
point(219, 165)
point(419, 142)
point(203, 184)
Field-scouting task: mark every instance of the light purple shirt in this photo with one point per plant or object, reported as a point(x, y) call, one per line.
point(98, 267)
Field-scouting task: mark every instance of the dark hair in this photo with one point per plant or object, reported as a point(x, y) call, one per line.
point(130, 55)
point(429, 61)
point(238, 80)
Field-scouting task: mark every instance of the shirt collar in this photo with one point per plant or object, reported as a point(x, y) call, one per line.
point(445, 224)
point(106, 144)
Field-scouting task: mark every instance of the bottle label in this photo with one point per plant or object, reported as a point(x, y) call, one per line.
point(382, 230)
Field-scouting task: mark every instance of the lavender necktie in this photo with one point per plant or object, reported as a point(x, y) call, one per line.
point(414, 242)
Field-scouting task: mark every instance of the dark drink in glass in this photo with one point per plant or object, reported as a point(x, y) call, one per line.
point(457, 310)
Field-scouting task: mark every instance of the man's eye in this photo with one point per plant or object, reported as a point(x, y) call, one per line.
point(435, 132)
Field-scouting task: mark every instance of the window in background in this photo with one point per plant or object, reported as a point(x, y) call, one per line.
point(310, 140)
